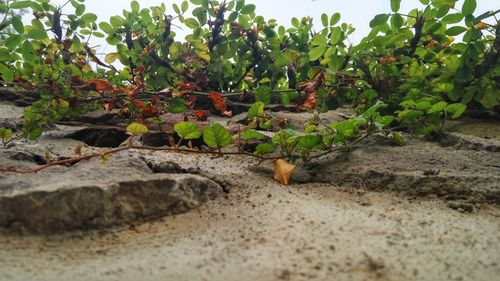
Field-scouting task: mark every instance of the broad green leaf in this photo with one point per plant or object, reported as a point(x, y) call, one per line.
point(248, 9)
point(37, 34)
point(89, 17)
point(249, 134)
point(245, 21)
point(379, 20)
point(437, 107)
point(34, 133)
point(184, 6)
point(106, 27)
point(187, 130)
point(336, 35)
point(456, 109)
point(7, 73)
point(452, 18)
point(455, 30)
point(5, 134)
point(216, 136)
point(309, 142)
point(116, 21)
point(316, 52)
point(134, 5)
point(111, 57)
point(425, 2)
point(256, 110)
point(334, 19)
point(265, 148)
point(137, 129)
point(18, 25)
point(469, 7)
point(191, 23)
point(324, 19)
point(20, 4)
point(397, 21)
point(395, 5)
point(263, 94)
point(398, 139)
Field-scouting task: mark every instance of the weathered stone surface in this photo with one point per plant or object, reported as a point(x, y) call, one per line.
point(419, 168)
point(18, 96)
point(91, 194)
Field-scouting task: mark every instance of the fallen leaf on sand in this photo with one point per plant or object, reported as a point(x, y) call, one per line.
point(282, 171)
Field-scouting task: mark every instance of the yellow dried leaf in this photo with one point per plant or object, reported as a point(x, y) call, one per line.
point(78, 150)
point(282, 171)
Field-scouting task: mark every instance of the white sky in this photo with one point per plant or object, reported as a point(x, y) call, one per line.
point(357, 12)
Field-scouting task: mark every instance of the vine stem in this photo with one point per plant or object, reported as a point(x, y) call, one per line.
point(216, 153)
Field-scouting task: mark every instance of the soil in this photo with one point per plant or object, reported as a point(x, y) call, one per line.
point(325, 226)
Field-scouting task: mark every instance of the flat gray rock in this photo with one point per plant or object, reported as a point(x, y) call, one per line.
point(92, 194)
point(469, 172)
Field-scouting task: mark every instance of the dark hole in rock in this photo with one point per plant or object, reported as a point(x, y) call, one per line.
point(159, 139)
point(165, 167)
point(100, 136)
point(28, 157)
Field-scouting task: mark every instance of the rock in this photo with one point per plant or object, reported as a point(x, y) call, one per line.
point(468, 142)
point(91, 194)
point(419, 168)
point(19, 97)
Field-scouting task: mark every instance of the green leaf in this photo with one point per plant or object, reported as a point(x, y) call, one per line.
point(263, 94)
point(336, 35)
point(319, 39)
point(89, 17)
point(111, 57)
point(324, 19)
point(397, 21)
point(20, 4)
point(13, 41)
point(265, 148)
point(456, 109)
point(316, 52)
point(106, 27)
point(177, 105)
point(136, 129)
point(455, 30)
point(7, 73)
point(309, 142)
point(79, 9)
point(334, 19)
point(395, 5)
point(469, 7)
point(18, 25)
point(256, 110)
point(187, 130)
point(248, 9)
point(437, 107)
point(5, 134)
point(34, 133)
point(134, 5)
point(116, 21)
point(379, 20)
point(249, 134)
point(452, 18)
point(425, 2)
point(245, 21)
point(37, 34)
point(216, 136)
point(398, 139)
point(184, 6)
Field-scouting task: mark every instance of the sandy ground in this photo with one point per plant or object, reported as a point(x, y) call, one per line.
point(264, 231)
